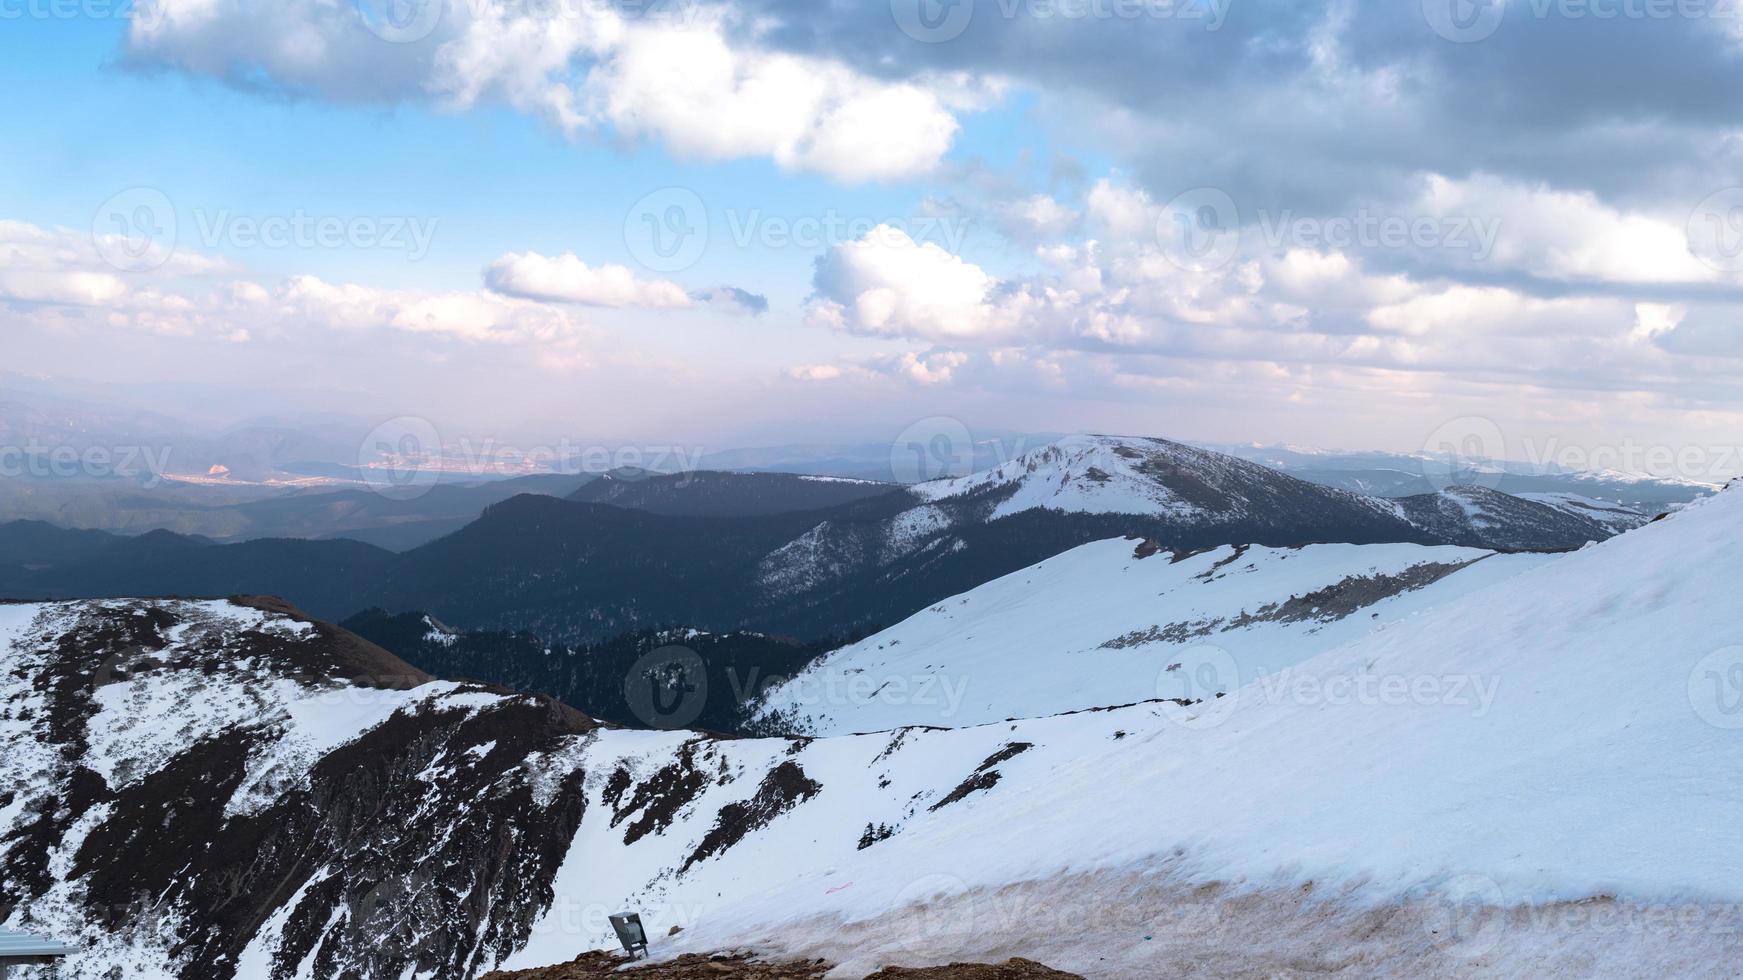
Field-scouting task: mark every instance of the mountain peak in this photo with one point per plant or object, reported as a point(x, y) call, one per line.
point(1108, 474)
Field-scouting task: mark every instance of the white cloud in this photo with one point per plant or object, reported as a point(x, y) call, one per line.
point(474, 317)
point(886, 284)
point(56, 278)
point(815, 372)
point(567, 279)
point(936, 367)
point(1569, 235)
point(1038, 216)
point(693, 82)
point(689, 87)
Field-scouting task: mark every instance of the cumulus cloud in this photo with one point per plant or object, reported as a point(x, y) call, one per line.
point(1037, 217)
point(60, 267)
point(58, 278)
point(887, 284)
point(1123, 290)
point(703, 83)
point(567, 279)
point(1315, 106)
point(691, 88)
point(1568, 235)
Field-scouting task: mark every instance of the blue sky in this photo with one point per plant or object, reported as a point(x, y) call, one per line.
point(1420, 227)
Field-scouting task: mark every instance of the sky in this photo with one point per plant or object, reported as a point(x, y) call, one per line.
point(743, 222)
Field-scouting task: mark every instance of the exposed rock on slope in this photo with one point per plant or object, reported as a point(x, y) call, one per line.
point(743, 966)
point(1119, 621)
point(210, 789)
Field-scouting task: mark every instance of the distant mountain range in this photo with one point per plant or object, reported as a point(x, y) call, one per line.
point(787, 555)
point(1385, 474)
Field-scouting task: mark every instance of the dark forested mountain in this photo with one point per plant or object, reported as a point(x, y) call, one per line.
point(326, 575)
point(577, 572)
point(25, 544)
point(721, 494)
point(705, 680)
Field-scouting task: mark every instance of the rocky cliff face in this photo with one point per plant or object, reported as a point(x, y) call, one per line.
point(218, 789)
point(209, 789)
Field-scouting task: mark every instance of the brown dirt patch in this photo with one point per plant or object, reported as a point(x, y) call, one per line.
point(1012, 969)
point(599, 965)
point(691, 966)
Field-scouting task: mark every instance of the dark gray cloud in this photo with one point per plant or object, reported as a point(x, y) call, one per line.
point(733, 300)
point(1310, 105)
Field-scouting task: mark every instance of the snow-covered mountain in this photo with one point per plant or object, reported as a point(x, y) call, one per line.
point(1095, 474)
point(1474, 515)
point(1177, 482)
point(1534, 777)
point(719, 552)
point(1390, 474)
point(1088, 487)
point(1117, 622)
point(1613, 516)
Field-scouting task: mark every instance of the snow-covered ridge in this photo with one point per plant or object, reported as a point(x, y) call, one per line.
point(1093, 486)
point(1614, 516)
point(1564, 735)
point(1080, 474)
point(1119, 621)
point(1093, 474)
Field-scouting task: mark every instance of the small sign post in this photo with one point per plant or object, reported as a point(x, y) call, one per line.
point(630, 933)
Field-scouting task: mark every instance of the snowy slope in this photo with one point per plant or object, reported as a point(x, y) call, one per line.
point(1118, 621)
point(1566, 735)
point(1612, 515)
point(1556, 738)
